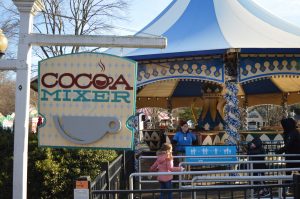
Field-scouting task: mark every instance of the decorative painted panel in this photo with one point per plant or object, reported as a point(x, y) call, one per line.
point(260, 66)
point(204, 69)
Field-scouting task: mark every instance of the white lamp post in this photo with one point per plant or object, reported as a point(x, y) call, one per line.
point(22, 65)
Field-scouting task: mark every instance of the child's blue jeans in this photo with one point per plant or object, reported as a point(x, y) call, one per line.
point(166, 185)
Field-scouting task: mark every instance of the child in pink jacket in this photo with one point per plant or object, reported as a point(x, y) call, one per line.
point(164, 163)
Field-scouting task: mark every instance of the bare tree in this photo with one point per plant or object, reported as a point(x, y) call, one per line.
point(77, 17)
point(7, 90)
point(272, 114)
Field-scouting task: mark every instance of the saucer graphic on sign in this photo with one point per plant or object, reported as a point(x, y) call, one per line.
point(97, 127)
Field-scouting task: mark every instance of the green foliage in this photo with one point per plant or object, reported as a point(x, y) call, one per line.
point(51, 172)
point(6, 162)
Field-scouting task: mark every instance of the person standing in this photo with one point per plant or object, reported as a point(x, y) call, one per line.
point(291, 139)
point(164, 163)
point(255, 147)
point(183, 137)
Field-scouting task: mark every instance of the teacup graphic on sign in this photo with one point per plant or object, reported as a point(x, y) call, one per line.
point(88, 129)
point(102, 81)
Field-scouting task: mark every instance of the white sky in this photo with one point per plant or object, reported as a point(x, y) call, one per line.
point(285, 9)
point(144, 11)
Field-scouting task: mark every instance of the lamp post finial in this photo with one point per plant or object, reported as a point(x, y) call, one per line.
point(3, 43)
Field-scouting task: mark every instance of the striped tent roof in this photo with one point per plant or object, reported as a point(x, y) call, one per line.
point(195, 27)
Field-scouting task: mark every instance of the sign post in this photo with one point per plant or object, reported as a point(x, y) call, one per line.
point(82, 187)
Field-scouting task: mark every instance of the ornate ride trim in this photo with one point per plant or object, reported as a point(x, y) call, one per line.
point(211, 70)
point(264, 66)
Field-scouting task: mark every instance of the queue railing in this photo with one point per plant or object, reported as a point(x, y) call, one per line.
point(225, 168)
point(188, 183)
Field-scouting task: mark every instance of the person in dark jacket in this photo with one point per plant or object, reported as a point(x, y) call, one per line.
point(291, 138)
point(255, 147)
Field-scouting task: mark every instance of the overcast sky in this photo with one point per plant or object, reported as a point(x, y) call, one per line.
point(285, 9)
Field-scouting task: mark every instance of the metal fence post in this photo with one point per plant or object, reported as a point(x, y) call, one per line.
point(105, 167)
point(123, 174)
point(296, 179)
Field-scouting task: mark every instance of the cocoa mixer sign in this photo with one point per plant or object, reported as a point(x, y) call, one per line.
point(87, 100)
